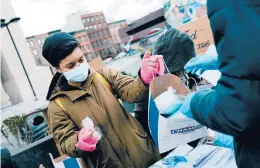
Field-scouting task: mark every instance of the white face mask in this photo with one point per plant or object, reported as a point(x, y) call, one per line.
point(78, 74)
point(169, 102)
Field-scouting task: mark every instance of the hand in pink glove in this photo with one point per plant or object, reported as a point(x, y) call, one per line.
point(86, 141)
point(151, 66)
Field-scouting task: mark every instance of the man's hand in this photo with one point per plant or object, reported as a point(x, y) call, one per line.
point(185, 108)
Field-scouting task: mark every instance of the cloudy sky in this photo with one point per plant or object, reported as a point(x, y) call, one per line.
point(40, 16)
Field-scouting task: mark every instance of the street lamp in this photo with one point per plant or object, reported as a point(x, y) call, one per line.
point(5, 24)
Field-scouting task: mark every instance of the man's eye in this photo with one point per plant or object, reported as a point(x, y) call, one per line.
point(82, 60)
point(70, 66)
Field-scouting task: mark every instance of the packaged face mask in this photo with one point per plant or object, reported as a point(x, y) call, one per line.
point(169, 102)
point(88, 123)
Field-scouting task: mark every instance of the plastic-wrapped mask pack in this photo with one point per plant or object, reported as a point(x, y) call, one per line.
point(88, 123)
point(169, 102)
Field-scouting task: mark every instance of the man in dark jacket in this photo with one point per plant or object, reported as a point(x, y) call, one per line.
point(233, 107)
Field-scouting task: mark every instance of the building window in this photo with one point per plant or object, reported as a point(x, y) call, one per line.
point(31, 43)
point(28, 43)
point(101, 17)
point(95, 27)
point(93, 35)
point(86, 27)
point(87, 20)
point(100, 25)
point(93, 45)
point(83, 48)
point(35, 52)
point(101, 42)
point(97, 18)
point(102, 33)
point(97, 44)
point(92, 19)
point(90, 27)
point(105, 41)
point(98, 34)
point(100, 53)
point(84, 21)
point(79, 39)
point(90, 36)
point(85, 38)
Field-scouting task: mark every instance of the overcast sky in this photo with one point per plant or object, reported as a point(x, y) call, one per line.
point(40, 16)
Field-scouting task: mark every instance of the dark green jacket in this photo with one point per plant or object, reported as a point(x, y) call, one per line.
point(234, 106)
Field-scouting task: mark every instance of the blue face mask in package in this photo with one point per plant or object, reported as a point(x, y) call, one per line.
point(169, 102)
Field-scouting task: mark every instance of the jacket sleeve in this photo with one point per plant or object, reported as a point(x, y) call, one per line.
point(125, 87)
point(223, 140)
point(219, 113)
point(63, 129)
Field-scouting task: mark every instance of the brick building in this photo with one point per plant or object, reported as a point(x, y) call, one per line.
point(99, 37)
point(35, 44)
point(91, 31)
point(114, 30)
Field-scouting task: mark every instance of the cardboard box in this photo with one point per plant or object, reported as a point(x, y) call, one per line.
point(200, 32)
point(96, 63)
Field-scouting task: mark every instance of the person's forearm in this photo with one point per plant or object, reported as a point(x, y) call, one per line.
point(207, 110)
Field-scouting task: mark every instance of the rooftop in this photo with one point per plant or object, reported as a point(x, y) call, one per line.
point(91, 14)
point(119, 21)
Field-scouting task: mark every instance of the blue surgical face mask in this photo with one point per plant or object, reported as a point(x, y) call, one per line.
point(78, 74)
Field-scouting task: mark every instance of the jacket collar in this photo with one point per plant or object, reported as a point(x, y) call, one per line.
point(72, 90)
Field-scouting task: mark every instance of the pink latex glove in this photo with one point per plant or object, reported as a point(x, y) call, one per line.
point(151, 66)
point(86, 141)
